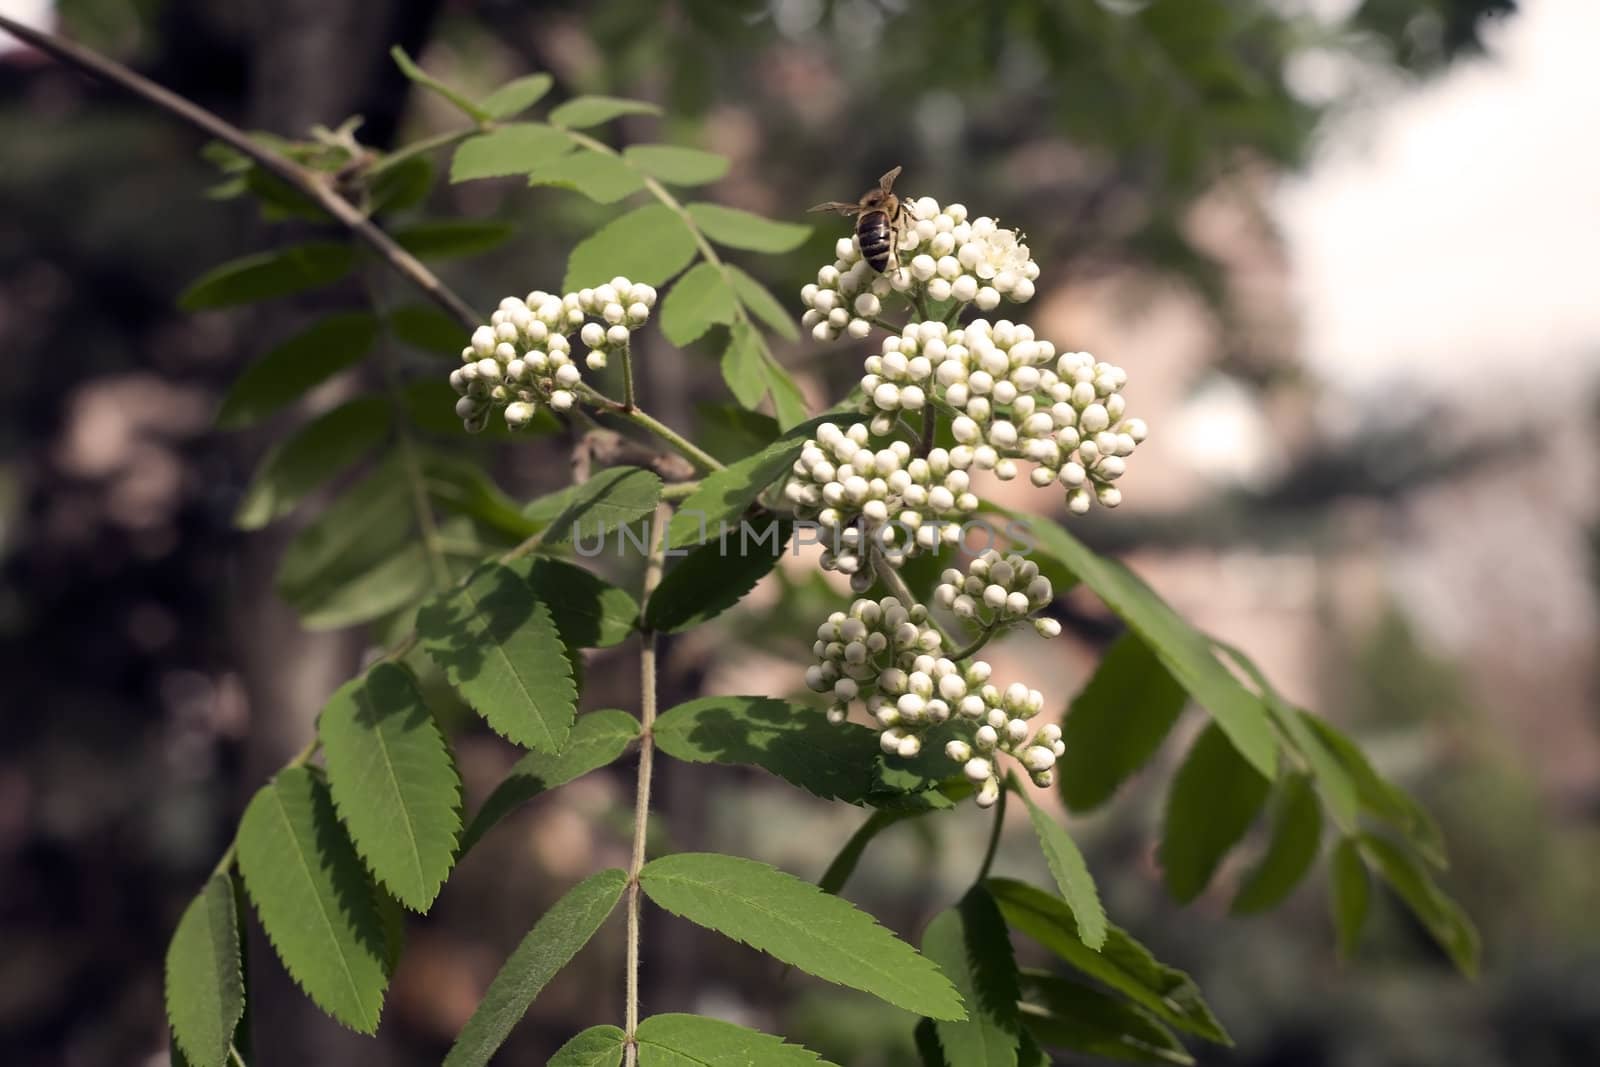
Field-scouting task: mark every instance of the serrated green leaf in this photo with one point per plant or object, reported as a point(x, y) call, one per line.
point(461, 486)
point(204, 975)
point(844, 863)
point(389, 585)
point(1380, 797)
point(792, 741)
point(425, 327)
point(694, 1041)
point(762, 304)
point(317, 451)
point(516, 148)
point(1122, 964)
point(1071, 873)
point(548, 947)
point(516, 96)
point(799, 924)
point(724, 495)
point(313, 897)
point(581, 112)
point(1443, 917)
point(598, 1046)
point(675, 164)
point(1215, 797)
point(741, 366)
point(701, 299)
point(1183, 650)
point(1296, 838)
point(267, 275)
point(1064, 1014)
point(453, 238)
point(499, 647)
point(747, 230)
point(595, 510)
point(393, 782)
point(400, 185)
point(1349, 894)
point(649, 244)
point(601, 176)
point(589, 611)
point(367, 524)
point(1116, 723)
point(972, 947)
point(716, 576)
point(294, 367)
point(409, 68)
point(595, 741)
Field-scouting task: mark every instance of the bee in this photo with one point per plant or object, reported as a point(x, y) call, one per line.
point(878, 217)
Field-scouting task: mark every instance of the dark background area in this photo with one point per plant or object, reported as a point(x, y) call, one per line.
point(154, 680)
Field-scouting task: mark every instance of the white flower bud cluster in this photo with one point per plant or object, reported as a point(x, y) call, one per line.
point(1016, 399)
point(523, 355)
point(942, 254)
point(1003, 726)
point(997, 591)
point(860, 495)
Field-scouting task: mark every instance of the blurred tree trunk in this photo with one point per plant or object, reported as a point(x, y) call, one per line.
point(310, 61)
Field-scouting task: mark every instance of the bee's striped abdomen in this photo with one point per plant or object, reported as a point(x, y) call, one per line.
point(872, 231)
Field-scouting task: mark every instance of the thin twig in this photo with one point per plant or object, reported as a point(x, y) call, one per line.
point(641, 811)
point(308, 182)
point(994, 833)
point(897, 585)
point(977, 642)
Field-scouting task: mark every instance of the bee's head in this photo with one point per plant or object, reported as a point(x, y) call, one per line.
point(874, 200)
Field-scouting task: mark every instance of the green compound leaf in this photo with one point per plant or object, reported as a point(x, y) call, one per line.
point(1064, 1014)
point(516, 96)
point(548, 947)
point(1071, 873)
point(844, 864)
point(314, 899)
point(517, 148)
point(1296, 838)
point(598, 1046)
point(266, 275)
point(302, 463)
point(461, 486)
point(760, 302)
point(393, 782)
point(1122, 964)
point(368, 524)
point(716, 576)
point(296, 366)
point(746, 230)
point(799, 924)
point(600, 176)
point(409, 68)
point(581, 112)
point(724, 495)
point(1349, 894)
point(589, 611)
point(700, 299)
point(694, 1041)
point(1444, 918)
point(743, 365)
point(1380, 797)
point(205, 976)
point(792, 741)
point(401, 185)
point(596, 510)
point(971, 945)
point(1116, 723)
point(453, 238)
point(1184, 651)
point(428, 329)
point(497, 644)
point(595, 741)
point(1215, 797)
point(649, 244)
point(675, 164)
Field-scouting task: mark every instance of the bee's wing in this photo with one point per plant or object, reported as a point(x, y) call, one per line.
point(838, 206)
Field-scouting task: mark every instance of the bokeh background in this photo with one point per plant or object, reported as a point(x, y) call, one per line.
point(1345, 248)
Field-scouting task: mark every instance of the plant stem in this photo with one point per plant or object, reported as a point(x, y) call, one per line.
point(977, 642)
point(994, 832)
point(897, 585)
point(641, 811)
point(639, 417)
point(306, 181)
point(627, 377)
point(930, 418)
